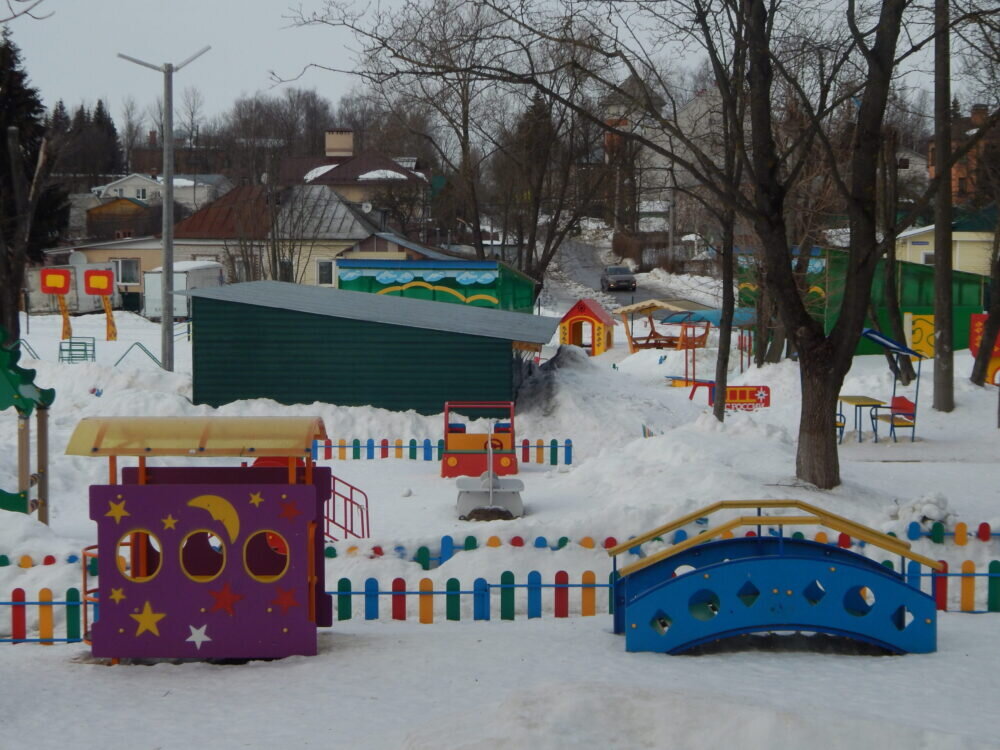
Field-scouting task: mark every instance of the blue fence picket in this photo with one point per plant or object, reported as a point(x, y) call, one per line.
point(534, 594)
point(913, 574)
point(679, 536)
point(541, 542)
point(371, 599)
point(427, 450)
point(569, 451)
point(447, 549)
point(480, 600)
point(370, 448)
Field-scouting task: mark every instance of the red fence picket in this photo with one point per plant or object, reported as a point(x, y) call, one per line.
point(562, 594)
point(398, 599)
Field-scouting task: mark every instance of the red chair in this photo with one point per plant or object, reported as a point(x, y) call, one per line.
point(902, 414)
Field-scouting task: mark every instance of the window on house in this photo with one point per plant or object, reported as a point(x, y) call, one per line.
point(903, 164)
point(120, 192)
point(140, 193)
point(324, 272)
point(156, 193)
point(123, 234)
point(286, 270)
point(928, 259)
point(126, 270)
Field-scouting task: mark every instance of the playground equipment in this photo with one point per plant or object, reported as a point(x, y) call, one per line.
point(472, 453)
point(977, 321)
point(489, 498)
point(683, 335)
point(18, 389)
point(714, 585)
point(56, 281)
point(902, 412)
point(102, 284)
point(574, 323)
point(206, 562)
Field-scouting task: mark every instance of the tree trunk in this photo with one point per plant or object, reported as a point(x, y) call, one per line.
point(944, 374)
point(726, 320)
point(816, 460)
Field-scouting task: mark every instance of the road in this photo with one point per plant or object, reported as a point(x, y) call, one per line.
point(582, 263)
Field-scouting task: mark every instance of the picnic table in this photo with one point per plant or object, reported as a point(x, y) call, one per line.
point(859, 403)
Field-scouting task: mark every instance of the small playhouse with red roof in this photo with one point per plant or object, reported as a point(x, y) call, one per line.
point(588, 317)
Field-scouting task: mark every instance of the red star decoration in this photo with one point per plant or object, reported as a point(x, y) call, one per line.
point(225, 599)
point(288, 510)
point(285, 599)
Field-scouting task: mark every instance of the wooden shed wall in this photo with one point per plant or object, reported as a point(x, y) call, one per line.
point(244, 351)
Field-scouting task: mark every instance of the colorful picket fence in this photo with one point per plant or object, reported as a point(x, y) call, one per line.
point(959, 535)
point(429, 558)
point(27, 561)
point(972, 586)
point(538, 451)
point(481, 596)
point(47, 607)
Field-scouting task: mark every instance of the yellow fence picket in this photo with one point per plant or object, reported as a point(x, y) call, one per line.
point(588, 603)
point(967, 593)
point(45, 627)
point(426, 601)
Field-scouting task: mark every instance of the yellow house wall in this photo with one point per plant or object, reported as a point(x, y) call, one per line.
point(334, 250)
point(152, 257)
point(971, 250)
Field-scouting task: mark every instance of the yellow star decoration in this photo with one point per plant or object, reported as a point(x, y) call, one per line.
point(117, 595)
point(117, 511)
point(147, 620)
point(169, 522)
point(256, 499)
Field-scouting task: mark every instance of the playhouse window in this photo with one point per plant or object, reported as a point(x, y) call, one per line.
point(139, 555)
point(203, 555)
point(265, 556)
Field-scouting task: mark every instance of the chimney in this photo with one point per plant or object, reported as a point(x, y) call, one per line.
point(979, 112)
point(339, 143)
point(152, 139)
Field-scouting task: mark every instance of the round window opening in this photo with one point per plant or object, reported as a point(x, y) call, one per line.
point(265, 556)
point(203, 555)
point(139, 555)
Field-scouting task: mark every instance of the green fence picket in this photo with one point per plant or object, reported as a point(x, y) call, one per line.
point(471, 543)
point(507, 595)
point(993, 587)
point(344, 599)
point(453, 604)
point(423, 558)
point(73, 614)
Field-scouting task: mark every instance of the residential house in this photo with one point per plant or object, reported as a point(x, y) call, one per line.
point(968, 174)
point(121, 218)
point(394, 185)
point(192, 191)
point(971, 241)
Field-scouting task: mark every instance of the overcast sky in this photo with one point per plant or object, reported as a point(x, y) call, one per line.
point(73, 54)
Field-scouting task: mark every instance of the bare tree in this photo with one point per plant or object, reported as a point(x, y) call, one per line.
point(133, 122)
point(26, 8)
point(192, 114)
point(807, 55)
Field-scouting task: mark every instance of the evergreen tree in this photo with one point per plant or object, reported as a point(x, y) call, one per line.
point(59, 120)
point(25, 227)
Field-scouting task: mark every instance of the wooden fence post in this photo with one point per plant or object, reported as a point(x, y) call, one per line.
point(939, 585)
point(344, 599)
point(507, 595)
point(534, 594)
point(588, 598)
point(967, 592)
point(993, 587)
point(45, 624)
point(18, 622)
point(73, 615)
point(426, 601)
point(562, 594)
point(398, 599)
point(453, 604)
point(371, 599)
point(480, 600)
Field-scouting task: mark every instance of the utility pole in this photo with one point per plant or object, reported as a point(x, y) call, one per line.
point(167, 275)
point(944, 375)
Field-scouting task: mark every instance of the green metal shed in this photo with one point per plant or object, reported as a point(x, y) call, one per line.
point(302, 344)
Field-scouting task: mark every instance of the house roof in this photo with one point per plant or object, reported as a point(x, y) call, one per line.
point(368, 167)
point(593, 307)
point(965, 220)
point(380, 308)
point(240, 213)
point(312, 212)
point(105, 204)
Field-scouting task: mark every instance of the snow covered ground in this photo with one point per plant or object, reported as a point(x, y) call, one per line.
point(545, 683)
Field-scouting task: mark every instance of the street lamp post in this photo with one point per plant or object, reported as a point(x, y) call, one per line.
point(167, 274)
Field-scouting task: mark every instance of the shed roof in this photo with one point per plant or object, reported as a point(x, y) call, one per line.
point(649, 306)
point(380, 308)
point(195, 436)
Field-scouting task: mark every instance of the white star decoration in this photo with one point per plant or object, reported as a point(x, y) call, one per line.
point(198, 636)
point(761, 396)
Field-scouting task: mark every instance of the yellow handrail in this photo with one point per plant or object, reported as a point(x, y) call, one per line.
point(740, 504)
point(877, 538)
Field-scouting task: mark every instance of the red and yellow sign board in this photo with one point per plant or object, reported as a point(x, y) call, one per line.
point(55, 280)
point(977, 322)
point(99, 282)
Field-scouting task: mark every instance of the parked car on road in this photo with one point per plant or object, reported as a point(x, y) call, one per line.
point(617, 277)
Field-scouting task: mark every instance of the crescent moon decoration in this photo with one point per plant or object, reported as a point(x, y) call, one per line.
point(221, 510)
